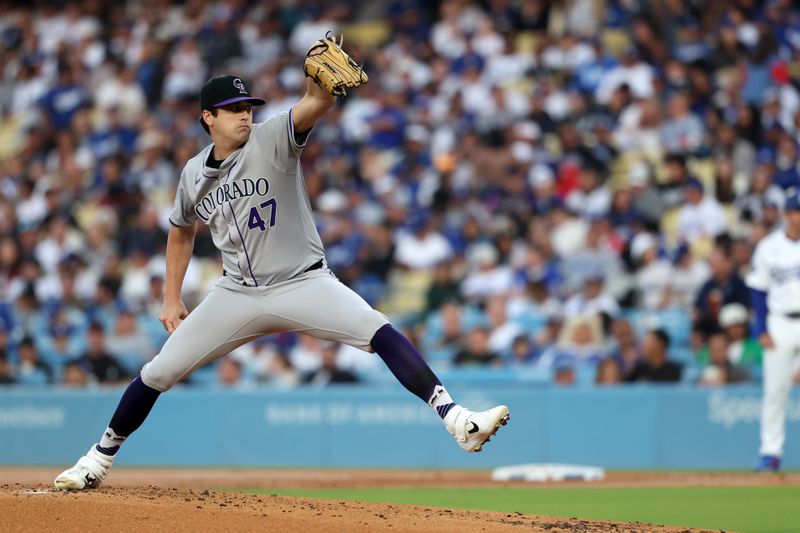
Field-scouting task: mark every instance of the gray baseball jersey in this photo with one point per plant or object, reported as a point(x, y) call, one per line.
point(256, 206)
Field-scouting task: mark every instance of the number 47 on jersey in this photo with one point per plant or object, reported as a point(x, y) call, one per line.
point(257, 221)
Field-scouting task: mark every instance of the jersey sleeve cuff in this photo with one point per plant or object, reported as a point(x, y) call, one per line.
point(292, 138)
point(172, 223)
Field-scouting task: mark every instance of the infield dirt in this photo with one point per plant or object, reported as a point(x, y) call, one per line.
point(178, 500)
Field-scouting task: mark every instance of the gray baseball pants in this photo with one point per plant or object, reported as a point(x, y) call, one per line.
point(314, 303)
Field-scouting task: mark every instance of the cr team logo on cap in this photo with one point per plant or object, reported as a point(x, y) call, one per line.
point(239, 84)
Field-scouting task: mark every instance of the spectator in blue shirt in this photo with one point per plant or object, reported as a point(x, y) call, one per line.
point(62, 102)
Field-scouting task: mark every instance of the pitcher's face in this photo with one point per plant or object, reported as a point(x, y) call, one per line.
point(232, 123)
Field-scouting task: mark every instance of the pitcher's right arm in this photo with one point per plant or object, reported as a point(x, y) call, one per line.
point(180, 243)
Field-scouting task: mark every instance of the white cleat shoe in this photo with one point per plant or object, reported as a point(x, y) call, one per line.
point(88, 473)
point(472, 429)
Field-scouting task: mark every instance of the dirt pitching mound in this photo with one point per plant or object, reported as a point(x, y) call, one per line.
point(112, 509)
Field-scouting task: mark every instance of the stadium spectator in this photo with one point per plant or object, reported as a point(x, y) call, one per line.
point(75, 376)
point(689, 275)
point(443, 287)
point(701, 217)
point(476, 350)
point(725, 286)
point(556, 153)
point(631, 71)
point(645, 201)
point(280, 373)
point(421, 247)
point(600, 254)
point(608, 372)
point(229, 372)
point(487, 276)
point(96, 361)
point(671, 190)
point(523, 352)
point(720, 370)
point(503, 330)
point(580, 343)
point(128, 343)
point(59, 346)
point(534, 306)
point(564, 375)
point(762, 192)
point(654, 277)
point(329, 372)
point(31, 370)
point(743, 349)
point(592, 299)
point(68, 95)
point(624, 345)
point(655, 366)
point(591, 198)
point(682, 132)
point(6, 371)
point(306, 354)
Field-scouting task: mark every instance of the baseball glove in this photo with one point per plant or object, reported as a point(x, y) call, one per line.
point(332, 68)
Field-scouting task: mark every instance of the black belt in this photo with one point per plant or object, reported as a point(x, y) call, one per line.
point(792, 315)
point(315, 266)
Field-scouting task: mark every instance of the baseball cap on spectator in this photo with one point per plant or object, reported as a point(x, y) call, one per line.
point(226, 90)
point(641, 244)
point(522, 151)
point(792, 202)
point(732, 314)
point(466, 62)
point(482, 254)
point(540, 176)
point(694, 183)
point(680, 252)
point(780, 73)
point(417, 133)
point(765, 156)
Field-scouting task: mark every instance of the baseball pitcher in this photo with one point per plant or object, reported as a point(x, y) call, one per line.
point(247, 186)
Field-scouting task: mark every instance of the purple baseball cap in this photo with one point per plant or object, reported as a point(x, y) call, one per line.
point(226, 90)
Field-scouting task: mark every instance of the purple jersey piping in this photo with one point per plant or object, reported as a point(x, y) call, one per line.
point(236, 222)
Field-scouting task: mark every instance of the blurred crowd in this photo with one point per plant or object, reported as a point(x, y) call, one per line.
point(564, 189)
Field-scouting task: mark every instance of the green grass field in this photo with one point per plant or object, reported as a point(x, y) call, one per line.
point(756, 509)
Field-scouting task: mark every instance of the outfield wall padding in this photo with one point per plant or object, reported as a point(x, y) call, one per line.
point(627, 427)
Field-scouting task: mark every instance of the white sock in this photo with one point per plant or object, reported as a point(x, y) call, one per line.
point(440, 401)
point(110, 442)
